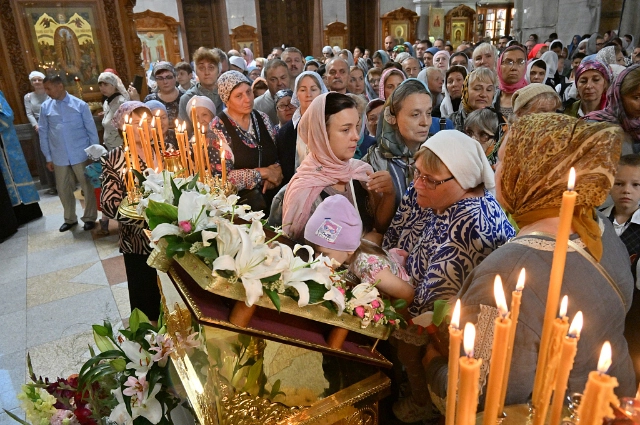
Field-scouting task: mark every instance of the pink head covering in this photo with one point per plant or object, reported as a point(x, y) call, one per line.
point(511, 88)
point(335, 224)
point(248, 55)
point(535, 50)
point(384, 76)
point(444, 53)
point(320, 169)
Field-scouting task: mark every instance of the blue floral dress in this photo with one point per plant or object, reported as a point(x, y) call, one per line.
point(444, 249)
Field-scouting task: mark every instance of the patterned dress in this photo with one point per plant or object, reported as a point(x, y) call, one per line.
point(367, 266)
point(444, 249)
point(132, 237)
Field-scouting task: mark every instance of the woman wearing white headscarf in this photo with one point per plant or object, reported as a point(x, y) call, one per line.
point(115, 95)
point(553, 77)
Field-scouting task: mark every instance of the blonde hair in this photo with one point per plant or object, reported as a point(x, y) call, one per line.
point(485, 48)
point(484, 75)
point(429, 160)
point(631, 82)
point(206, 54)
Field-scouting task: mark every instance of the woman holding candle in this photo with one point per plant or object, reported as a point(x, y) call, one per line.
point(247, 137)
point(134, 245)
point(530, 186)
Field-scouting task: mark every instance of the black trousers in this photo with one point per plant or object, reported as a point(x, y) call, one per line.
point(144, 293)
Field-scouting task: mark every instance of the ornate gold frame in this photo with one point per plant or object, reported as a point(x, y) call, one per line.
point(158, 23)
point(397, 17)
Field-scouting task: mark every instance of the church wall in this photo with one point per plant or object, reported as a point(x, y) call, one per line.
point(332, 9)
point(237, 10)
point(543, 18)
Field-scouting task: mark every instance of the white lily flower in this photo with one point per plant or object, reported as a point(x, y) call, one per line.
point(228, 238)
point(119, 414)
point(164, 229)
point(149, 406)
point(296, 272)
point(249, 266)
point(190, 208)
point(323, 266)
point(256, 233)
point(334, 295)
point(363, 294)
point(251, 215)
point(139, 358)
point(207, 235)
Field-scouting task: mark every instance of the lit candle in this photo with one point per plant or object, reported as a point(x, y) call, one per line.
point(144, 148)
point(455, 338)
point(156, 144)
point(469, 380)
point(558, 332)
point(501, 332)
point(160, 133)
point(145, 126)
point(516, 298)
point(569, 349)
point(205, 147)
point(223, 163)
point(183, 149)
point(146, 143)
point(128, 178)
point(555, 284)
point(132, 142)
point(598, 393)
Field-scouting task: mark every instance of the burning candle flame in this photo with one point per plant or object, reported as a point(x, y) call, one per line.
point(572, 179)
point(158, 113)
point(498, 292)
point(455, 318)
point(144, 117)
point(124, 127)
point(563, 306)
point(605, 358)
point(469, 338)
point(153, 122)
point(520, 284)
point(177, 123)
point(576, 325)
point(126, 118)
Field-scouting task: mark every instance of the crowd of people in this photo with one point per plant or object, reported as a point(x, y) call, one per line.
point(424, 168)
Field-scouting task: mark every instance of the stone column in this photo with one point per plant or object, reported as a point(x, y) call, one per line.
point(422, 9)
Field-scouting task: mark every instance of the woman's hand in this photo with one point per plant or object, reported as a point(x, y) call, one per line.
point(272, 174)
point(133, 93)
point(380, 182)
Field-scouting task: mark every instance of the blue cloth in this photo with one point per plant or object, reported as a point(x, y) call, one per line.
point(444, 249)
point(12, 163)
point(433, 50)
point(435, 125)
point(363, 146)
point(66, 130)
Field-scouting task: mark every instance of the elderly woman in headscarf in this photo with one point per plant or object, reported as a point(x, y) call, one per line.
point(511, 77)
point(454, 79)
point(115, 95)
point(478, 91)
point(592, 81)
point(167, 93)
point(534, 99)
point(390, 79)
point(330, 129)
point(247, 54)
point(159, 111)
point(460, 58)
point(451, 192)
point(611, 55)
point(380, 59)
point(441, 60)
point(247, 138)
point(623, 108)
point(347, 56)
point(597, 276)
point(134, 244)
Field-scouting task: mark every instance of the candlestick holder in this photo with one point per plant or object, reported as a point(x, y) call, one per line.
point(172, 163)
point(218, 188)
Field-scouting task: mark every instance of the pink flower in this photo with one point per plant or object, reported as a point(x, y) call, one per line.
point(359, 311)
point(377, 317)
point(136, 387)
point(372, 260)
point(185, 226)
point(342, 291)
point(392, 322)
point(375, 303)
point(162, 350)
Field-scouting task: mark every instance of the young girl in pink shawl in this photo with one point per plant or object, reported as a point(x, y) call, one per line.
point(330, 128)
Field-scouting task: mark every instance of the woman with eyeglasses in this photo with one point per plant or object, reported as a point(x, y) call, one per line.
point(448, 222)
point(284, 107)
point(167, 94)
point(512, 66)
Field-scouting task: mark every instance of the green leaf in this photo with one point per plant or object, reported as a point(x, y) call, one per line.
point(119, 364)
point(178, 248)
point(399, 304)
point(274, 297)
point(141, 178)
point(159, 212)
point(103, 343)
point(270, 279)
point(100, 330)
point(316, 292)
point(254, 374)
point(193, 183)
point(176, 192)
point(15, 418)
point(209, 252)
point(331, 306)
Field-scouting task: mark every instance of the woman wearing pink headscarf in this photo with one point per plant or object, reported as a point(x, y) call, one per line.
point(330, 127)
point(247, 54)
point(389, 80)
point(512, 67)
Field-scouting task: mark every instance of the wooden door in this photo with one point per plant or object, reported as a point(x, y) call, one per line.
point(286, 22)
point(198, 16)
point(362, 24)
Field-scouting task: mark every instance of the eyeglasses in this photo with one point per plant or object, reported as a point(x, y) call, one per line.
point(285, 107)
point(511, 62)
point(167, 78)
point(481, 136)
point(430, 184)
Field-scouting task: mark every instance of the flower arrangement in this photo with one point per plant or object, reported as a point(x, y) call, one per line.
point(127, 382)
point(192, 217)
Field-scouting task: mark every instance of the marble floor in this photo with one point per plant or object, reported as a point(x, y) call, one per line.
point(53, 287)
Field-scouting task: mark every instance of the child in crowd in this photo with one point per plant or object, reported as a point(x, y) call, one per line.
point(625, 216)
point(335, 230)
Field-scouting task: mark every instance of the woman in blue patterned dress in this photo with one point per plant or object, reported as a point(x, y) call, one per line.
point(448, 222)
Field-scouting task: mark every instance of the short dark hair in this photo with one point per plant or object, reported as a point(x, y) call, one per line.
point(272, 64)
point(335, 103)
point(553, 36)
point(535, 36)
point(184, 66)
point(579, 55)
point(53, 79)
point(632, 160)
point(392, 64)
point(292, 50)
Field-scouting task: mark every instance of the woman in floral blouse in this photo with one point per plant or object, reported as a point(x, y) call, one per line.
point(247, 137)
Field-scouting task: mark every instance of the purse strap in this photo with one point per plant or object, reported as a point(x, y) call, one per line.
point(592, 260)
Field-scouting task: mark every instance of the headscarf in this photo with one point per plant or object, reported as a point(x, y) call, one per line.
point(444, 53)
point(248, 55)
point(409, 48)
point(384, 56)
point(607, 55)
point(281, 94)
point(551, 59)
point(202, 102)
point(154, 105)
point(464, 157)
point(401, 57)
point(535, 50)
point(614, 109)
point(526, 94)
point(574, 47)
point(510, 88)
point(114, 80)
point(362, 64)
point(229, 81)
point(433, 50)
point(320, 169)
point(350, 60)
point(371, 93)
point(327, 49)
point(387, 72)
point(469, 66)
point(446, 107)
point(557, 41)
point(34, 74)
point(464, 103)
point(583, 42)
point(126, 109)
point(592, 48)
point(628, 45)
point(595, 65)
point(540, 151)
point(527, 75)
point(294, 99)
point(162, 66)
point(239, 62)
